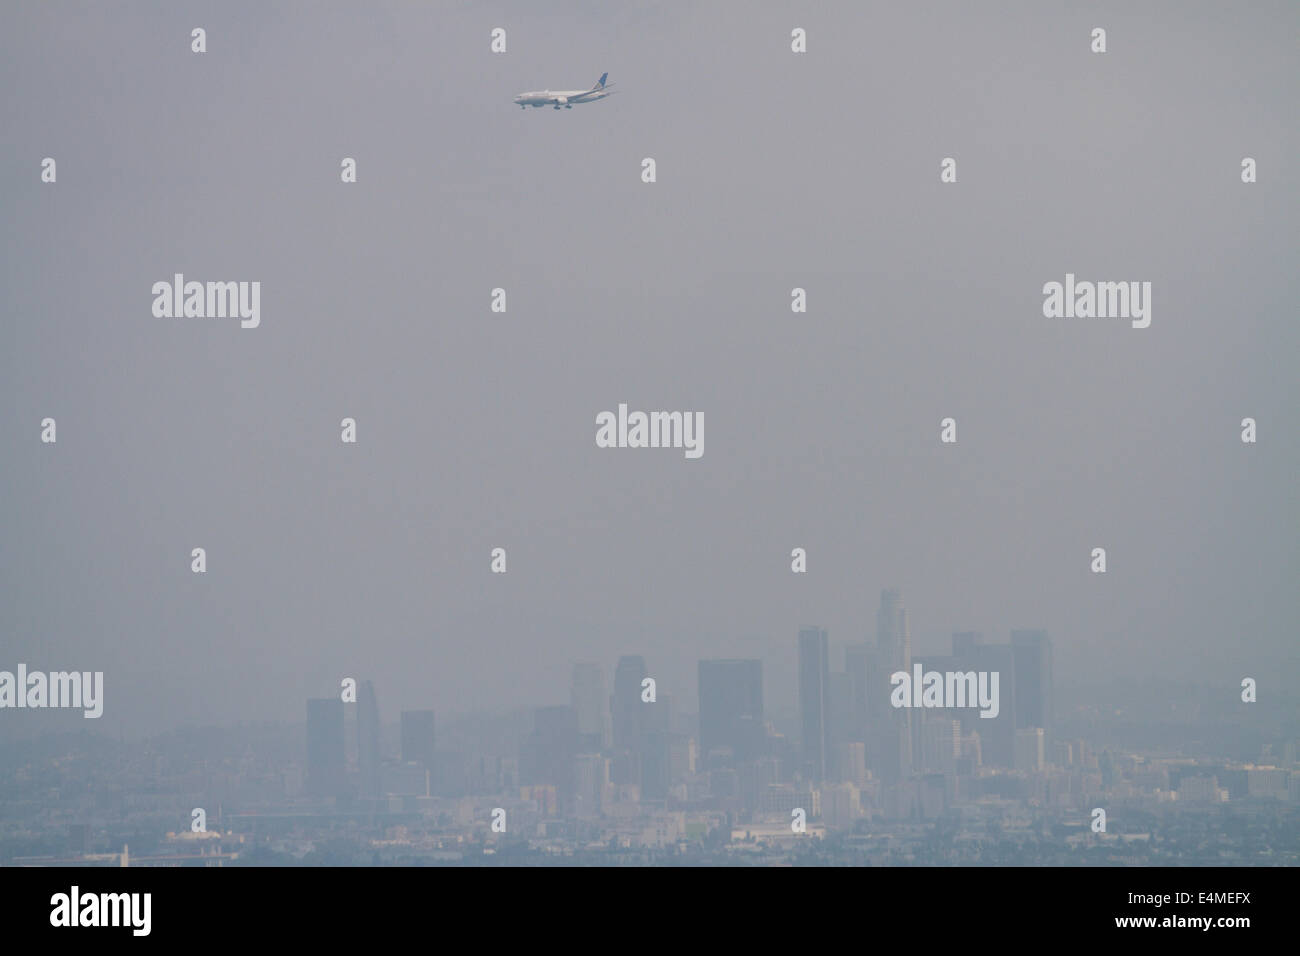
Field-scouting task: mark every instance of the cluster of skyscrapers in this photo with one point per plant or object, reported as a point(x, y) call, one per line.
point(848, 717)
point(630, 744)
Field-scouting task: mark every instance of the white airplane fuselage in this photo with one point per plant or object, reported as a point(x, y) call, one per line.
point(563, 98)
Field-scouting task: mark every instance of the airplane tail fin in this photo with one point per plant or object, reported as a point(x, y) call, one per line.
point(601, 82)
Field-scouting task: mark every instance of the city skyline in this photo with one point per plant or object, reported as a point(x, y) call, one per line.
point(616, 776)
point(476, 429)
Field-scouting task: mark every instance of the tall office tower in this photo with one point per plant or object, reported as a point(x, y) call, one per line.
point(731, 708)
point(591, 704)
point(659, 715)
point(548, 753)
point(840, 710)
point(629, 719)
point(997, 734)
point(654, 751)
point(1032, 651)
point(860, 663)
point(418, 738)
point(369, 757)
point(893, 636)
point(894, 726)
point(814, 709)
point(326, 764)
point(626, 703)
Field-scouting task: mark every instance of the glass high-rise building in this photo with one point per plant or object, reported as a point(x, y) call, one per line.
point(418, 737)
point(629, 716)
point(626, 703)
point(1032, 651)
point(997, 734)
point(731, 708)
point(369, 756)
point(326, 763)
point(867, 686)
point(814, 703)
point(549, 752)
point(591, 703)
point(891, 734)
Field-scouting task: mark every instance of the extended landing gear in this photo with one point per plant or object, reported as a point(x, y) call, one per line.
point(568, 107)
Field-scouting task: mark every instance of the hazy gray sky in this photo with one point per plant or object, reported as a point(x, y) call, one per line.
point(476, 430)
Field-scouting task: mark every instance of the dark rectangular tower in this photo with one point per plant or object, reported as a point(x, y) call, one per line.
point(731, 708)
point(326, 764)
point(1032, 651)
point(418, 737)
point(814, 709)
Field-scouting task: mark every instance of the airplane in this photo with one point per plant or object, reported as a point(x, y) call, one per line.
point(565, 98)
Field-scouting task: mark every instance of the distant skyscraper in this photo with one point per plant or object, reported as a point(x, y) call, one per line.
point(654, 753)
point(659, 715)
point(626, 703)
point(418, 737)
point(1032, 651)
point(731, 707)
point(657, 764)
point(549, 751)
point(892, 755)
point(997, 734)
point(629, 716)
point(369, 756)
point(893, 635)
point(814, 705)
point(840, 710)
point(326, 764)
point(591, 703)
point(861, 663)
